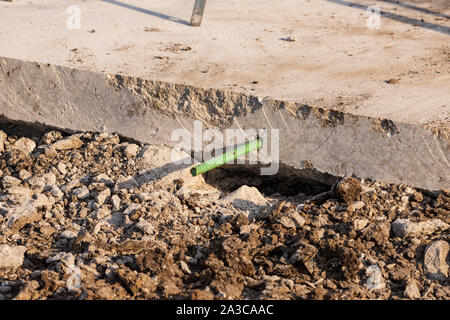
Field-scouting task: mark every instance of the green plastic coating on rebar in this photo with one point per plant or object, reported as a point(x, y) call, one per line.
point(226, 157)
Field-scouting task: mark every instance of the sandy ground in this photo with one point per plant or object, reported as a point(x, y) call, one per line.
point(90, 216)
point(400, 71)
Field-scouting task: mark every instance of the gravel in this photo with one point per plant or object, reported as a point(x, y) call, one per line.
point(92, 216)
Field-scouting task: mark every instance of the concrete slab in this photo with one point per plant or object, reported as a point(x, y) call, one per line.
point(138, 68)
point(321, 142)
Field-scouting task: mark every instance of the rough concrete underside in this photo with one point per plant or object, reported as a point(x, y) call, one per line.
point(332, 142)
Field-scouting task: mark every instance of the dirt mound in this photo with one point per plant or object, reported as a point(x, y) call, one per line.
point(90, 216)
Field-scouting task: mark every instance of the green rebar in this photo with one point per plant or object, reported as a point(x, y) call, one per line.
point(227, 157)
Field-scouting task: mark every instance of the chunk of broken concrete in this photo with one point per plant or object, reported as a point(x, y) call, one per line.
point(412, 291)
point(375, 280)
point(44, 180)
point(435, 264)
point(406, 228)
point(71, 142)
point(245, 198)
point(131, 150)
point(102, 196)
point(360, 224)
point(19, 216)
point(292, 219)
point(24, 145)
point(10, 181)
point(11, 256)
point(3, 137)
point(81, 192)
point(349, 189)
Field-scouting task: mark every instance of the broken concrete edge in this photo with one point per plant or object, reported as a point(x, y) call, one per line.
point(327, 141)
point(219, 107)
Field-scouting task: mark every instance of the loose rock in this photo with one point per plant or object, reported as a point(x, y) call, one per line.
point(131, 150)
point(435, 264)
point(406, 228)
point(412, 291)
point(71, 142)
point(11, 256)
point(349, 189)
point(375, 280)
point(245, 198)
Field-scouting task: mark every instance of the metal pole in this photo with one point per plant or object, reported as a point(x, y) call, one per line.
point(197, 13)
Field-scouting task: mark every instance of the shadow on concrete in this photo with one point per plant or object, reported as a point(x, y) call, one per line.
point(397, 17)
point(413, 7)
point(146, 11)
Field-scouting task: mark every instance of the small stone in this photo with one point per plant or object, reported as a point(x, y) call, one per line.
point(245, 198)
point(56, 192)
point(11, 256)
point(131, 150)
point(435, 264)
point(24, 145)
point(287, 222)
point(47, 230)
point(356, 206)
point(50, 151)
point(9, 181)
point(297, 218)
point(115, 199)
point(81, 192)
point(24, 174)
point(61, 168)
point(3, 137)
point(73, 183)
point(103, 178)
point(417, 196)
point(68, 234)
point(304, 253)
point(63, 260)
point(412, 291)
point(375, 280)
point(406, 228)
point(44, 180)
point(102, 212)
point(146, 155)
point(70, 142)
point(26, 213)
point(290, 39)
point(123, 182)
point(349, 189)
point(185, 267)
point(102, 196)
point(50, 137)
point(145, 226)
point(29, 291)
point(245, 229)
point(360, 224)
point(23, 192)
point(131, 209)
